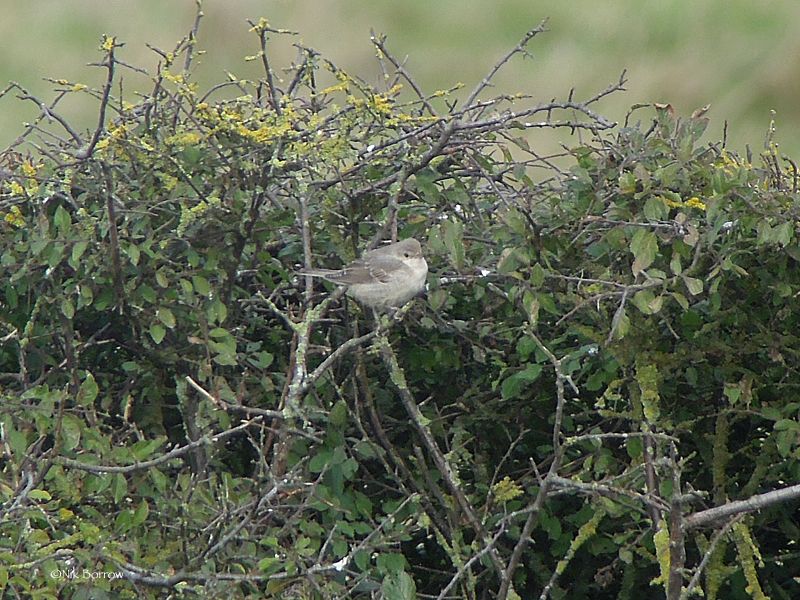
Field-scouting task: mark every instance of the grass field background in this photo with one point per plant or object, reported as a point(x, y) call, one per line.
point(742, 57)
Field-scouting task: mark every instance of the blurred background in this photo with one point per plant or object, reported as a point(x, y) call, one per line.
point(742, 57)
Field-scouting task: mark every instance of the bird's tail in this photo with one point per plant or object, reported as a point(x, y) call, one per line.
point(317, 272)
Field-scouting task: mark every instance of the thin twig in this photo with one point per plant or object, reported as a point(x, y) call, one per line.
point(380, 44)
point(558, 456)
point(412, 409)
point(467, 565)
point(48, 112)
point(172, 454)
point(193, 35)
point(109, 63)
point(113, 237)
point(272, 414)
point(687, 592)
point(519, 48)
point(263, 29)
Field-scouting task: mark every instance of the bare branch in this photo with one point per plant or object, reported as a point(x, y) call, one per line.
point(192, 38)
point(109, 64)
point(380, 44)
point(558, 456)
point(754, 503)
point(468, 564)
point(164, 458)
point(447, 473)
point(721, 532)
point(519, 48)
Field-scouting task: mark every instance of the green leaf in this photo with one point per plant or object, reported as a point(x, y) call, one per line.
point(71, 427)
point(67, 308)
point(157, 332)
point(140, 514)
point(525, 347)
point(425, 180)
point(17, 441)
point(165, 315)
point(655, 209)
point(391, 562)
point(86, 296)
point(225, 358)
point(675, 263)
point(785, 441)
point(201, 285)
point(621, 324)
point(119, 487)
point(216, 311)
point(627, 183)
point(88, 390)
point(515, 221)
point(531, 304)
point(550, 524)
point(786, 425)
point(319, 461)
point(261, 360)
point(40, 495)
point(132, 250)
point(338, 414)
point(361, 559)
point(681, 300)
point(144, 449)
point(764, 232)
point(782, 234)
point(62, 221)
point(55, 254)
point(339, 548)
point(642, 300)
point(695, 286)
point(160, 481)
point(11, 296)
point(398, 586)
point(123, 521)
point(161, 278)
point(77, 251)
point(548, 303)
point(512, 386)
point(511, 259)
point(634, 447)
point(537, 275)
point(225, 349)
point(644, 247)
point(452, 235)
point(732, 392)
point(437, 298)
point(270, 564)
point(147, 293)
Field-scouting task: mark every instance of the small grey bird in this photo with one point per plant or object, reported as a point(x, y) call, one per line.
point(386, 277)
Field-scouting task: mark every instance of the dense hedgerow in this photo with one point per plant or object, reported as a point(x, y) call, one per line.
point(607, 348)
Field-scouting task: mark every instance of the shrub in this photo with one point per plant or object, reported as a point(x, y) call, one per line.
point(603, 366)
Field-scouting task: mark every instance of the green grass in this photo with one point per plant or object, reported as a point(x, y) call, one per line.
point(741, 57)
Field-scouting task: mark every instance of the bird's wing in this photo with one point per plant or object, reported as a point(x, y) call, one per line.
point(376, 270)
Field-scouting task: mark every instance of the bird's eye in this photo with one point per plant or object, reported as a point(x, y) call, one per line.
point(407, 254)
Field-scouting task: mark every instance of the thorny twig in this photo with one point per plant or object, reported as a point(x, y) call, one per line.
point(558, 455)
point(109, 64)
